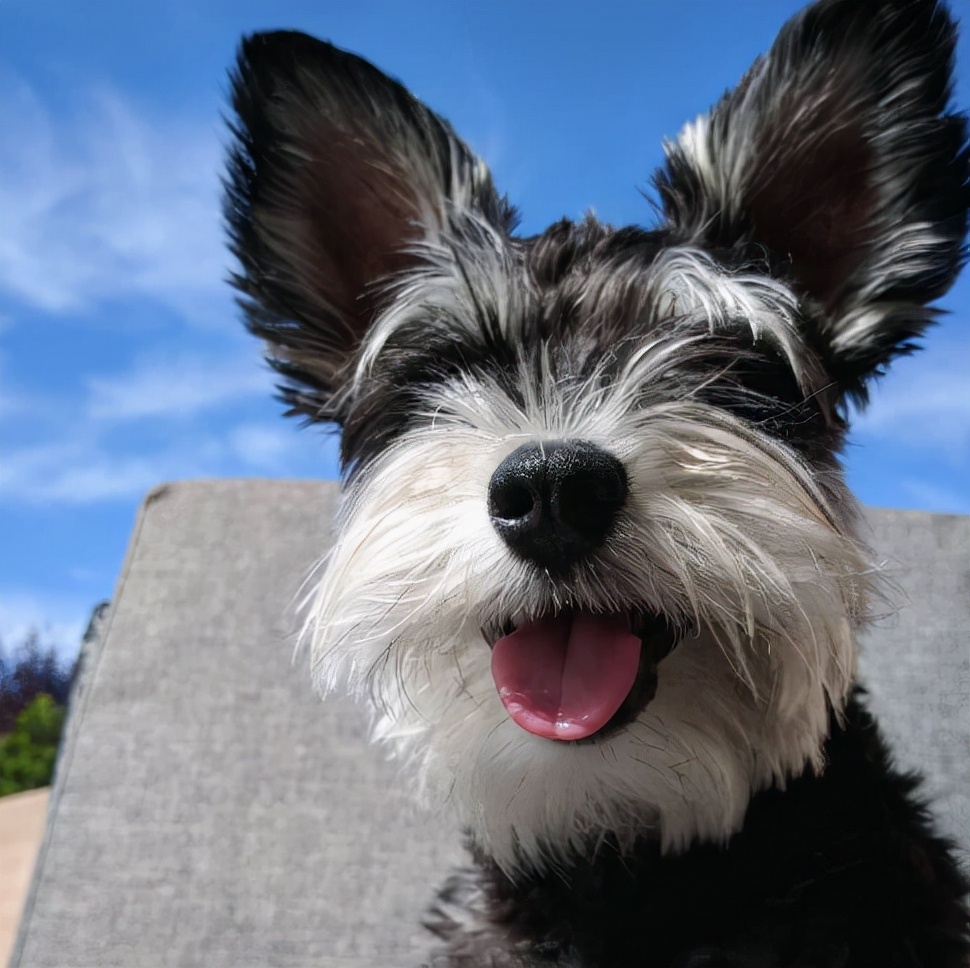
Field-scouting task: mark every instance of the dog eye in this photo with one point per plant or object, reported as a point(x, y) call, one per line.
point(763, 391)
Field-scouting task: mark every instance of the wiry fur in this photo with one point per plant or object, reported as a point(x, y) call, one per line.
point(809, 222)
point(835, 152)
point(724, 531)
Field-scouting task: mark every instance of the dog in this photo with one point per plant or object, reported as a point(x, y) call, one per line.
point(597, 566)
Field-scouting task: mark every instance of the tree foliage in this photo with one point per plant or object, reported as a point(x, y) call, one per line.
point(31, 669)
point(28, 754)
point(34, 689)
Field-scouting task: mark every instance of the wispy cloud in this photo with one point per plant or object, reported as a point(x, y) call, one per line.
point(114, 202)
point(164, 419)
point(274, 448)
point(60, 620)
point(176, 387)
point(72, 472)
point(924, 403)
point(78, 473)
point(82, 472)
point(264, 446)
point(933, 495)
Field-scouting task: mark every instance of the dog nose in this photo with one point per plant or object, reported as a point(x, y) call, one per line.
point(554, 503)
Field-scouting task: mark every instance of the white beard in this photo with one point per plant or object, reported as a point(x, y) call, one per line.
point(723, 526)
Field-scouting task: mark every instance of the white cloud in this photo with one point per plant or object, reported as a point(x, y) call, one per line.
point(177, 387)
point(75, 473)
point(112, 203)
point(103, 478)
point(263, 446)
point(60, 621)
point(282, 447)
point(80, 472)
point(12, 403)
point(87, 467)
point(924, 403)
point(927, 494)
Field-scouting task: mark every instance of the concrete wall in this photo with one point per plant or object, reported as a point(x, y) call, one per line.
point(209, 810)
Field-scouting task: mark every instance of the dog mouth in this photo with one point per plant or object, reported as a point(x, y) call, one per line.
point(576, 674)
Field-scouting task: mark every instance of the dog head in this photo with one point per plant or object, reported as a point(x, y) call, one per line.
point(596, 563)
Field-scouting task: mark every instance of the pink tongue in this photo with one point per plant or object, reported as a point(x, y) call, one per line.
point(564, 678)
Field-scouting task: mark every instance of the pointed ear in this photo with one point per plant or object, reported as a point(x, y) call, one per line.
point(335, 175)
point(836, 157)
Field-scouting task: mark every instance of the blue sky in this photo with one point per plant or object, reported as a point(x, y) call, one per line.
point(122, 360)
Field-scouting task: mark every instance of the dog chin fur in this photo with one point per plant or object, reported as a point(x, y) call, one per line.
point(808, 223)
point(763, 572)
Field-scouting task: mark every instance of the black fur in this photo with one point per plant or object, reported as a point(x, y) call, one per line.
point(835, 169)
point(752, 380)
point(311, 230)
point(838, 870)
point(814, 206)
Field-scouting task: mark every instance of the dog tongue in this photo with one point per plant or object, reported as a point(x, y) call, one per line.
point(565, 677)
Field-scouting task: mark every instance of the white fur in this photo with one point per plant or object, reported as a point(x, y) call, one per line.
point(467, 264)
point(461, 275)
point(722, 526)
point(729, 153)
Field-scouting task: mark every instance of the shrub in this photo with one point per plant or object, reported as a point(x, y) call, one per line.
point(28, 754)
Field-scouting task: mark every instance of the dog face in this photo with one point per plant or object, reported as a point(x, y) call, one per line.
point(596, 564)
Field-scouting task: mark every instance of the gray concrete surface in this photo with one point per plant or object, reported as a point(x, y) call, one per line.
point(915, 662)
point(208, 810)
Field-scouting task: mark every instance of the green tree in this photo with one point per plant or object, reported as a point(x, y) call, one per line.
point(30, 669)
point(28, 754)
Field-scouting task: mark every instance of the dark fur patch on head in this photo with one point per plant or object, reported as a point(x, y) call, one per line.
point(834, 167)
point(557, 446)
point(836, 154)
point(336, 172)
point(587, 299)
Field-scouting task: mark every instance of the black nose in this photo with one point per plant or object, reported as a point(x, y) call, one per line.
point(554, 503)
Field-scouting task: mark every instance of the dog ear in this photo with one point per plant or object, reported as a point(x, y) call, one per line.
point(835, 156)
point(336, 175)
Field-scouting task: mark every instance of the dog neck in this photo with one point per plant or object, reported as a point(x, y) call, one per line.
point(809, 849)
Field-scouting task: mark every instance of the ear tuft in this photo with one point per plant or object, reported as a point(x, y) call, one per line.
point(336, 175)
point(836, 156)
